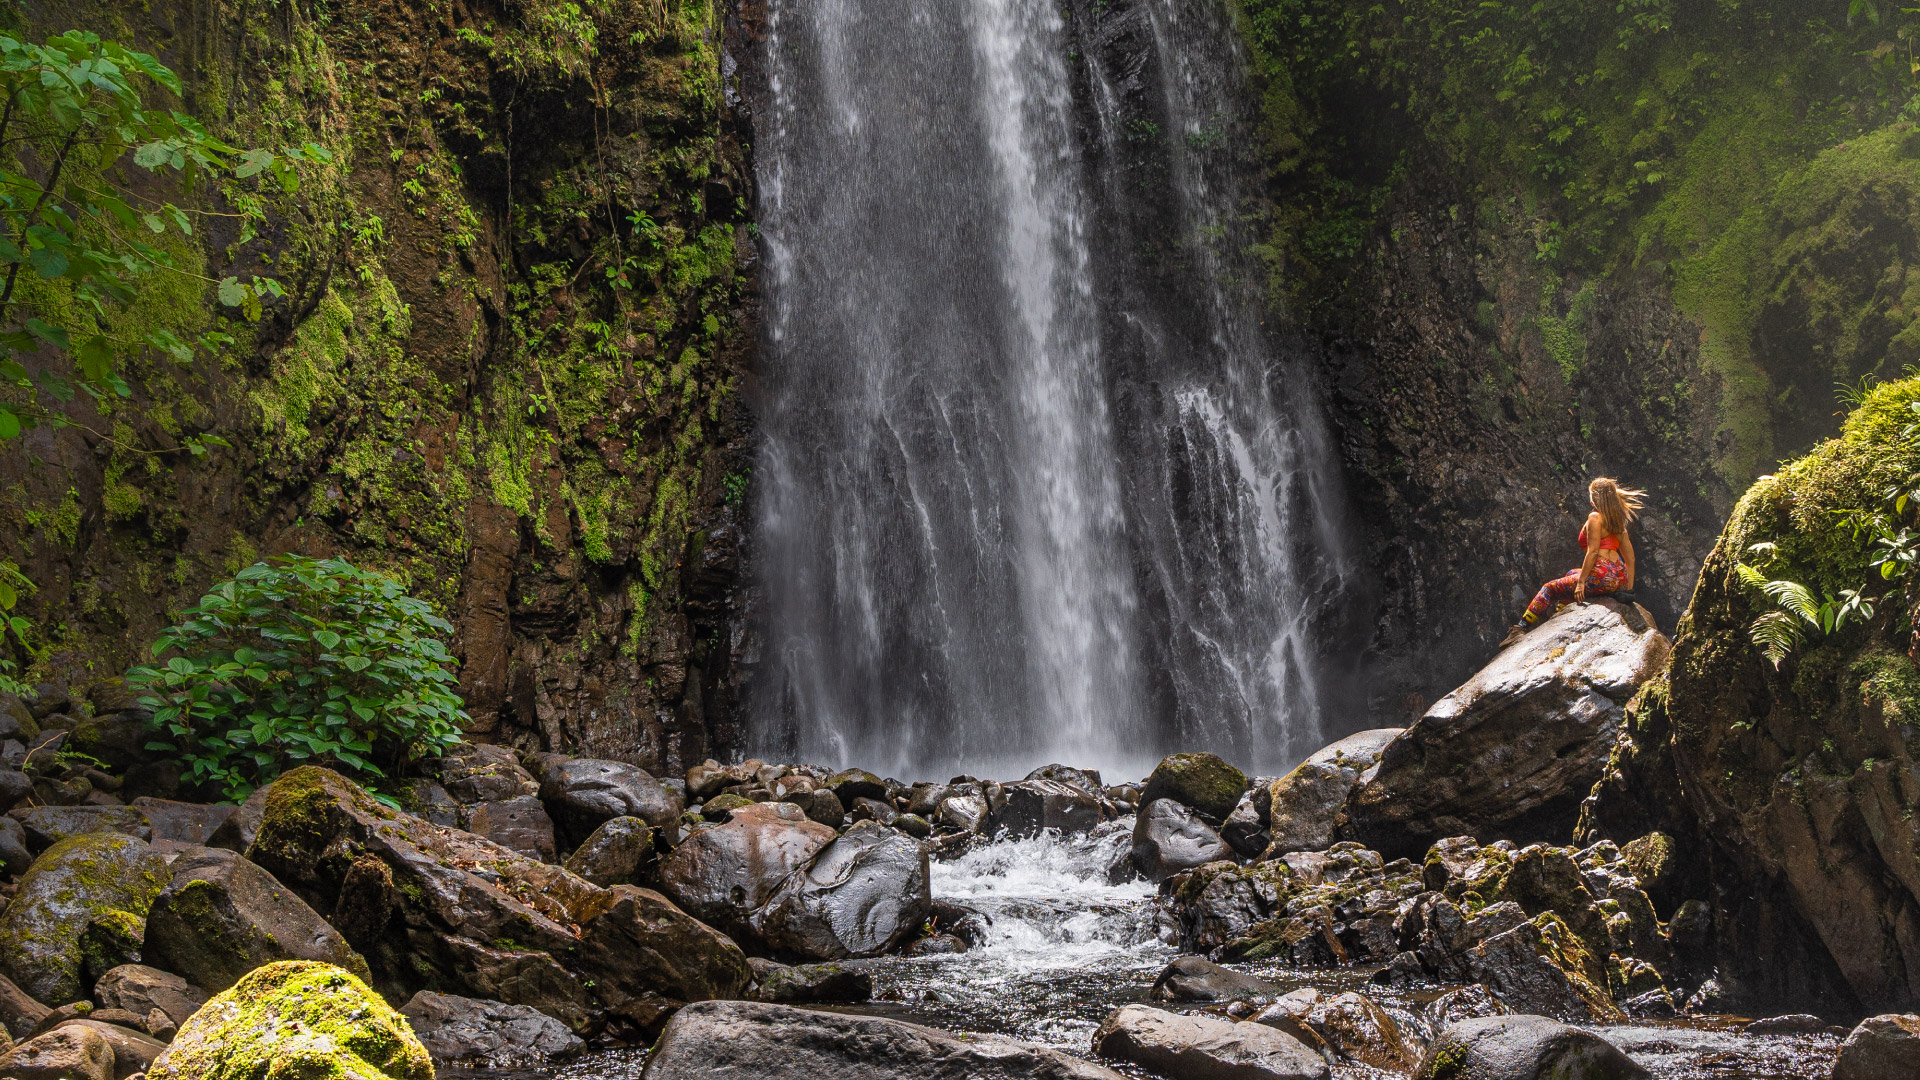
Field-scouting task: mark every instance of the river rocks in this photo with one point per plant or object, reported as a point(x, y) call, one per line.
point(139, 990)
point(305, 1019)
point(583, 793)
point(471, 1033)
point(1512, 752)
point(1200, 781)
point(1302, 804)
point(864, 893)
point(1028, 806)
point(1087, 780)
point(48, 825)
point(133, 1049)
point(808, 983)
point(634, 942)
point(1284, 909)
point(1192, 978)
point(78, 880)
point(1168, 837)
point(1245, 830)
point(1523, 1048)
point(1351, 1024)
point(1204, 1047)
point(615, 852)
point(182, 822)
point(965, 811)
point(475, 773)
point(518, 976)
point(20, 1014)
point(519, 824)
point(851, 784)
point(719, 1039)
point(721, 875)
point(237, 832)
point(221, 916)
point(1883, 1047)
point(820, 805)
point(65, 1054)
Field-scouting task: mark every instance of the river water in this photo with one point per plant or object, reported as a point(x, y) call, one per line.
point(1066, 948)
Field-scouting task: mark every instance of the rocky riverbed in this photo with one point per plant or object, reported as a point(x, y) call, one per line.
point(1406, 902)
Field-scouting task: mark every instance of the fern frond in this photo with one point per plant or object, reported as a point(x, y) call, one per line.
point(1794, 597)
point(1777, 633)
point(1751, 578)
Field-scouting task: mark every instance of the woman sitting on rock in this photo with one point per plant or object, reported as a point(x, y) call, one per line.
point(1609, 564)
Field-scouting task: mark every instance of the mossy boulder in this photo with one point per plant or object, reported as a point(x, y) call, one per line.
point(221, 917)
point(295, 1018)
point(1201, 781)
point(78, 881)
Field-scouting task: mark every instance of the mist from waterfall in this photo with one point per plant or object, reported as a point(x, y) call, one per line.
point(1036, 484)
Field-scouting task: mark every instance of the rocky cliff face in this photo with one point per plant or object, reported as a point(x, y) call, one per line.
point(508, 369)
point(1791, 791)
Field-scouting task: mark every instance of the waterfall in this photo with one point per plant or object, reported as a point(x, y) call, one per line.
point(1036, 484)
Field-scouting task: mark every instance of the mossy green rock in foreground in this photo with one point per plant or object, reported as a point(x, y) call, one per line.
point(296, 1018)
point(1202, 781)
point(94, 876)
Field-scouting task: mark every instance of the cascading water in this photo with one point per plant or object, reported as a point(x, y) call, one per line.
point(1036, 483)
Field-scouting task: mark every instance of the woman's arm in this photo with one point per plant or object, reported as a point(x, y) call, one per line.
point(1626, 552)
point(1594, 531)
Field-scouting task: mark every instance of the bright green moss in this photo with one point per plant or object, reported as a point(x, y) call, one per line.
point(296, 1018)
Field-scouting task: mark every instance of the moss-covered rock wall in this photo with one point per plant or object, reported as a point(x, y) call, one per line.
point(508, 368)
point(1544, 241)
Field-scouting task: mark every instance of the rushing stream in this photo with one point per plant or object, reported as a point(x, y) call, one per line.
point(1066, 948)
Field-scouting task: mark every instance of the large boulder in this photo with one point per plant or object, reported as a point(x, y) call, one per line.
point(1350, 1024)
point(519, 824)
point(1028, 806)
point(1195, 1047)
point(63, 1054)
point(139, 989)
point(482, 773)
point(807, 983)
point(1195, 978)
point(721, 874)
point(862, 895)
point(635, 943)
point(78, 881)
point(221, 916)
point(134, 1051)
point(584, 793)
point(237, 832)
point(1301, 805)
point(1511, 753)
point(296, 1018)
point(462, 1032)
point(503, 972)
point(1523, 1048)
point(615, 852)
point(1201, 781)
point(719, 1039)
point(184, 822)
point(1883, 1047)
point(1168, 837)
point(48, 825)
point(20, 1014)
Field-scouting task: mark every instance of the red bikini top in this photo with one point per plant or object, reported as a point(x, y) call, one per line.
point(1607, 542)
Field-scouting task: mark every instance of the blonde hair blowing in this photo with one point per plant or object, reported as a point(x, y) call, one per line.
point(1618, 505)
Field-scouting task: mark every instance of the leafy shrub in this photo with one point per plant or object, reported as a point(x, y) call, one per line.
point(297, 661)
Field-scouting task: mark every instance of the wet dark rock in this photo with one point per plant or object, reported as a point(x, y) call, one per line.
point(221, 916)
point(14, 786)
point(1194, 978)
point(721, 806)
point(583, 793)
point(133, 1049)
point(1301, 805)
point(1200, 781)
point(634, 943)
point(935, 945)
point(1512, 752)
point(851, 784)
point(182, 822)
point(475, 1033)
point(722, 874)
point(1198, 1047)
point(925, 799)
point(710, 778)
point(20, 1014)
point(1087, 780)
point(139, 990)
point(914, 825)
point(66, 1054)
point(431, 802)
point(1885, 1047)
point(14, 854)
point(862, 895)
point(238, 831)
point(1032, 805)
point(76, 881)
point(1466, 1003)
point(1357, 1030)
point(1652, 1005)
point(1169, 837)
point(48, 825)
point(1523, 1048)
point(520, 824)
point(873, 810)
point(717, 1039)
point(964, 811)
point(804, 984)
point(517, 976)
point(1245, 830)
point(1790, 1024)
point(615, 853)
point(484, 773)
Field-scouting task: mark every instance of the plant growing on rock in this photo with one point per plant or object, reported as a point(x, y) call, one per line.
point(300, 660)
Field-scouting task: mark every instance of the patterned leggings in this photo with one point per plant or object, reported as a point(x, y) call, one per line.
point(1607, 577)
